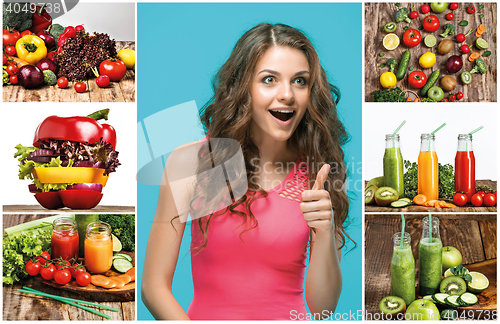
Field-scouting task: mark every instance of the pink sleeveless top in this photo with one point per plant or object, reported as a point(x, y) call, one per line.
point(258, 276)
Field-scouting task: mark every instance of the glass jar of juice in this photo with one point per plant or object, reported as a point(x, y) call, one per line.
point(64, 239)
point(393, 164)
point(82, 221)
point(403, 269)
point(465, 166)
point(430, 254)
point(428, 181)
point(98, 247)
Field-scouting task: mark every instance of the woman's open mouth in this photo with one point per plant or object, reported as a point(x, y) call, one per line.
point(283, 115)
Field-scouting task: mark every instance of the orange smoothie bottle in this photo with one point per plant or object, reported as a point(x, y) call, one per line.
point(98, 247)
point(428, 181)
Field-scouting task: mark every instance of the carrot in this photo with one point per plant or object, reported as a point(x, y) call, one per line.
point(419, 199)
point(18, 61)
point(119, 282)
point(112, 283)
point(99, 280)
point(131, 273)
point(450, 206)
point(125, 277)
point(430, 203)
point(409, 99)
point(473, 56)
point(416, 100)
point(481, 28)
point(440, 204)
point(478, 34)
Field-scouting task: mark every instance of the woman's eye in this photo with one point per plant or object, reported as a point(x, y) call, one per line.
point(300, 81)
point(268, 80)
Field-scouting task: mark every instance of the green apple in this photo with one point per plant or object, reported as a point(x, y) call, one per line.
point(438, 7)
point(422, 309)
point(436, 93)
point(451, 257)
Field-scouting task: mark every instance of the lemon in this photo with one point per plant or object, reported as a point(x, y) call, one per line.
point(388, 80)
point(479, 282)
point(391, 41)
point(117, 245)
point(427, 60)
point(127, 56)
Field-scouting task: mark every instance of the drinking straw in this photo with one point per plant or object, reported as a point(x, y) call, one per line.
point(76, 300)
point(402, 232)
point(476, 130)
point(444, 124)
point(430, 228)
point(395, 132)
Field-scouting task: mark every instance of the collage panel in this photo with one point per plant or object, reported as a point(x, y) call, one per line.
point(430, 52)
point(242, 275)
point(68, 51)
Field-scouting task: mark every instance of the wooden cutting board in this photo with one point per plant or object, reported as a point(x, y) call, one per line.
point(488, 298)
point(91, 292)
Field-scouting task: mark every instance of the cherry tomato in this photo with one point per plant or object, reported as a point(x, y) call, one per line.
point(417, 79)
point(62, 277)
point(62, 39)
point(13, 79)
point(47, 272)
point(445, 100)
point(431, 23)
point(76, 268)
point(482, 193)
point(5, 59)
point(452, 98)
point(79, 28)
point(471, 9)
point(477, 199)
point(49, 200)
point(490, 200)
point(460, 37)
point(10, 36)
point(83, 279)
point(80, 87)
point(460, 199)
point(43, 258)
point(425, 8)
point(12, 69)
point(26, 32)
point(114, 69)
point(33, 268)
point(412, 37)
point(460, 95)
point(454, 6)
point(413, 14)
point(464, 48)
point(62, 82)
point(450, 16)
point(62, 264)
point(10, 50)
point(102, 81)
point(70, 31)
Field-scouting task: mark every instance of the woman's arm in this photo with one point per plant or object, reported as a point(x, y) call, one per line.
point(161, 259)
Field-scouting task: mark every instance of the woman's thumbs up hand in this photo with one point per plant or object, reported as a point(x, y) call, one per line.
point(316, 204)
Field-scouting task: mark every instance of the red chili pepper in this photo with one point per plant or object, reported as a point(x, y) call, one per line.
point(471, 9)
point(41, 19)
point(78, 128)
point(52, 55)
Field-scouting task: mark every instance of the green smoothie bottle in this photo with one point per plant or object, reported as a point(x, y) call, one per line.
point(430, 255)
point(393, 164)
point(403, 269)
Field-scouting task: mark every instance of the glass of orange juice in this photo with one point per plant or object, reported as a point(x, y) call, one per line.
point(428, 181)
point(98, 247)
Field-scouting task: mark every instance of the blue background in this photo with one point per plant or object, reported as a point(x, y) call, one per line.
point(179, 49)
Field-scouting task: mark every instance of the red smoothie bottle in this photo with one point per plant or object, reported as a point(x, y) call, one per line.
point(465, 166)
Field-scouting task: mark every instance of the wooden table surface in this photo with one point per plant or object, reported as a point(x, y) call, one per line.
point(483, 87)
point(39, 208)
point(474, 235)
point(21, 306)
point(122, 91)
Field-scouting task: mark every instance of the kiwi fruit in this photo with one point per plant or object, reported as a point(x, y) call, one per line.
point(453, 285)
point(377, 182)
point(392, 305)
point(370, 194)
point(385, 195)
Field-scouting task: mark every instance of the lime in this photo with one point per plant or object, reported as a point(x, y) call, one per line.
point(430, 40)
point(127, 56)
point(391, 41)
point(117, 245)
point(479, 282)
point(481, 44)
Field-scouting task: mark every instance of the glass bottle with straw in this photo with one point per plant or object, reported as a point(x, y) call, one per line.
point(393, 162)
point(428, 179)
point(403, 266)
point(430, 254)
point(465, 165)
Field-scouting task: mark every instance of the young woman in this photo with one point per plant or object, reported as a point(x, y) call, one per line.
point(249, 259)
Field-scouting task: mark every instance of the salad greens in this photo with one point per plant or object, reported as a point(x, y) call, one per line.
point(445, 174)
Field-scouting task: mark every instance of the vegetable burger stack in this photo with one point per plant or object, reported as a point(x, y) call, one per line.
point(70, 160)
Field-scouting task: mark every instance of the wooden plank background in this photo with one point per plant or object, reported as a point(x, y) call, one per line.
point(23, 307)
point(474, 235)
point(122, 91)
point(483, 87)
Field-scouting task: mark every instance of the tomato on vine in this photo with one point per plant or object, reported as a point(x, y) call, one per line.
point(33, 268)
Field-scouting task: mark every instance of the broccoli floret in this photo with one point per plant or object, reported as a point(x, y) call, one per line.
point(56, 30)
point(401, 15)
point(392, 63)
point(16, 17)
point(479, 67)
point(449, 30)
point(123, 227)
point(49, 78)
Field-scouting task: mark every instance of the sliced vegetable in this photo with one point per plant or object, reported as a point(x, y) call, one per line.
point(122, 265)
point(131, 273)
point(473, 56)
point(419, 199)
point(390, 27)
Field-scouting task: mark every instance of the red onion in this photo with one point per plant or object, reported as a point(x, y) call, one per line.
point(85, 186)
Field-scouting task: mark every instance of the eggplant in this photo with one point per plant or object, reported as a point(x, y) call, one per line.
point(48, 64)
point(30, 77)
point(454, 64)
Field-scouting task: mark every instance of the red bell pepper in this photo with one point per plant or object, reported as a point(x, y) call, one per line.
point(41, 19)
point(78, 128)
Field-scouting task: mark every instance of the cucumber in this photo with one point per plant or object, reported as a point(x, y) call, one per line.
point(400, 203)
point(467, 299)
point(123, 256)
point(122, 265)
point(440, 298)
point(430, 82)
point(429, 297)
point(403, 65)
point(452, 301)
point(407, 199)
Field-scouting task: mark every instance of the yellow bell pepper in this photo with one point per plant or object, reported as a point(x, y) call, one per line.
point(31, 48)
point(70, 175)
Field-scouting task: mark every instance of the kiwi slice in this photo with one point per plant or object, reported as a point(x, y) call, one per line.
point(385, 195)
point(392, 305)
point(377, 182)
point(453, 285)
point(370, 194)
